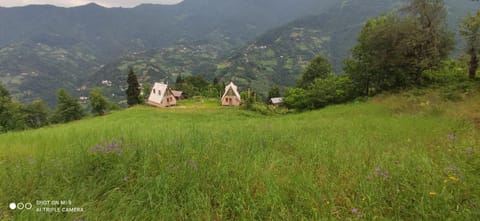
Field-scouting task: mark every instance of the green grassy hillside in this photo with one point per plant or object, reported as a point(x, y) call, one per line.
point(368, 160)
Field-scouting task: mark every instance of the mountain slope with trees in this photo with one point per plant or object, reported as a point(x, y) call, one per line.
point(191, 38)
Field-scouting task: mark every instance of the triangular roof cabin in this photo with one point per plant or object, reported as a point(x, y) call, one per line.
point(231, 97)
point(161, 96)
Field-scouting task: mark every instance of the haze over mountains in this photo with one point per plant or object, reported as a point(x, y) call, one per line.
point(258, 43)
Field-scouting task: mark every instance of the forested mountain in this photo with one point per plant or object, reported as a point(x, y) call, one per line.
point(255, 42)
point(109, 31)
point(278, 57)
point(105, 34)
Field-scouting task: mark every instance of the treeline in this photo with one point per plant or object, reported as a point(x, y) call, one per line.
point(199, 86)
point(17, 116)
point(399, 50)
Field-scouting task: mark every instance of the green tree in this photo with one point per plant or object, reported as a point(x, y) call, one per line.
point(98, 101)
point(4, 94)
point(37, 114)
point(11, 116)
point(296, 98)
point(329, 90)
point(147, 89)
point(317, 68)
point(377, 62)
point(133, 90)
point(470, 30)
point(394, 50)
point(431, 42)
point(68, 108)
point(179, 82)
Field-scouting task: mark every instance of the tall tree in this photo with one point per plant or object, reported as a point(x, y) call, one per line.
point(431, 40)
point(394, 50)
point(179, 81)
point(11, 116)
point(133, 90)
point(68, 108)
point(98, 101)
point(36, 114)
point(470, 30)
point(318, 68)
point(378, 61)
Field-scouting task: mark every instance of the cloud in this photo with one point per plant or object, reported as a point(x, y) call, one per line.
point(71, 3)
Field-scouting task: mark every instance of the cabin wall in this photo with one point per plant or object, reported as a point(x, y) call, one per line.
point(169, 101)
point(154, 98)
point(230, 101)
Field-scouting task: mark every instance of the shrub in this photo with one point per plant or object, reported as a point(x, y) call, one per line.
point(323, 91)
point(68, 109)
point(98, 102)
point(451, 72)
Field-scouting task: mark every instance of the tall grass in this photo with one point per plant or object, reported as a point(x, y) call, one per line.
point(356, 161)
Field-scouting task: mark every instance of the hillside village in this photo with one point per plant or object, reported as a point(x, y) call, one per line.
point(336, 110)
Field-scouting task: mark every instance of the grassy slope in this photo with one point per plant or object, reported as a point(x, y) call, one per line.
point(223, 163)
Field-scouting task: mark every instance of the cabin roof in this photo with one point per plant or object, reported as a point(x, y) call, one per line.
point(234, 88)
point(276, 100)
point(177, 93)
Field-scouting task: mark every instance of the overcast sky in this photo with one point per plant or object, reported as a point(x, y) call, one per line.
point(70, 3)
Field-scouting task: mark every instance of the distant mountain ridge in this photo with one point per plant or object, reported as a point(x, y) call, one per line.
point(278, 56)
point(106, 34)
point(99, 43)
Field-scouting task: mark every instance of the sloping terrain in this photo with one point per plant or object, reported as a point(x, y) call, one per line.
point(355, 161)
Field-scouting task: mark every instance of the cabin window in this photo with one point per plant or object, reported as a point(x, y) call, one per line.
point(154, 91)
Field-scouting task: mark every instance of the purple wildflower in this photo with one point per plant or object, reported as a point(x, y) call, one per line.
point(452, 136)
point(359, 216)
point(469, 150)
point(112, 147)
point(354, 210)
point(385, 175)
point(380, 172)
point(454, 169)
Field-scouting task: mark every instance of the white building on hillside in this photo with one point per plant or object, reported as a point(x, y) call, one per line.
point(161, 96)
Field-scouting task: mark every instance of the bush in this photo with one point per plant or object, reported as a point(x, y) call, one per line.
point(451, 72)
point(323, 91)
point(98, 102)
point(296, 98)
point(68, 109)
point(36, 114)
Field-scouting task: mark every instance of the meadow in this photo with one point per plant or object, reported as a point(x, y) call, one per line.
point(372, 160)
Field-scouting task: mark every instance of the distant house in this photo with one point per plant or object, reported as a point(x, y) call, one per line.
point(231, 97)
point(83, 100)
point(161, 96)
point(276, 100)
point(178, 95)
